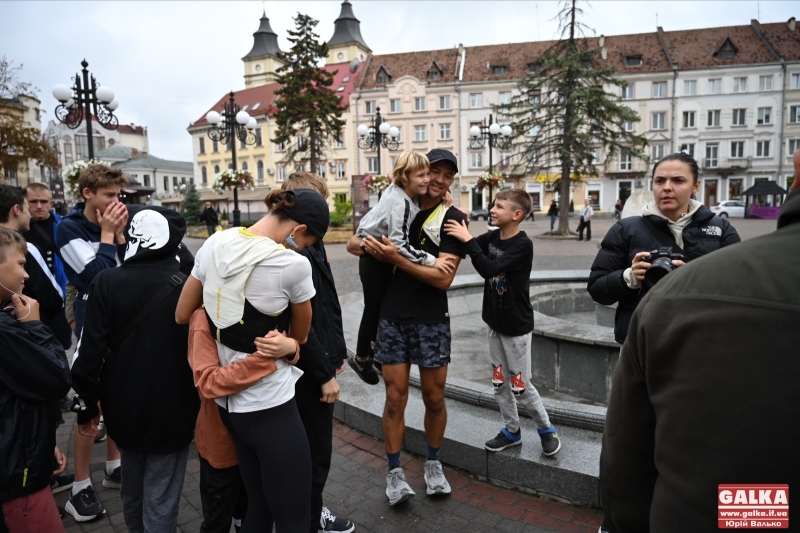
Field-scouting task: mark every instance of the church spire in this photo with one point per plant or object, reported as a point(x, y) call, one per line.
point(265, 41)
point(347, 29)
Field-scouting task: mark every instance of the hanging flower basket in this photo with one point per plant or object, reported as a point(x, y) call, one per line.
point(376, 183)
point(72, 172)
point(233, 179)
point(486, 179)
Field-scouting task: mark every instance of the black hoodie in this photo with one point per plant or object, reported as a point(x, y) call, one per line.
point(145, 383)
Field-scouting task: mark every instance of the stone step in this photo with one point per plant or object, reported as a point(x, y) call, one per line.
point(572, 474)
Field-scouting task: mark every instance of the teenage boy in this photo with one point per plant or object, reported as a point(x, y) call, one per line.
point(34, 375)
point(90, 240)
point(150, 414)
point(414, 326)
point(504, 259)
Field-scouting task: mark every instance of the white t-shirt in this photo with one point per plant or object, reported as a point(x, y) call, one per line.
point(587, 212)
point(282, 278)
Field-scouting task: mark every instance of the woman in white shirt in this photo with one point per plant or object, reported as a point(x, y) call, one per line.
point(253, 288)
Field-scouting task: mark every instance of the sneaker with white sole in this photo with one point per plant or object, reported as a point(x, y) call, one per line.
point(85, 506)
point(329, 522)
point(101, 432)
point(551, 444)
point(504, 439)
point(114, 479)
point(434, 478)
point(61, 482)
point(397, 488)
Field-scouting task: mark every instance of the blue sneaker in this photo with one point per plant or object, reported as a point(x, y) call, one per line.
point(504, 439)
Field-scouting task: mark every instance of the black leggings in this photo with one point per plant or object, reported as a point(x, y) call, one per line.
point(374, 276)
point(275, 465)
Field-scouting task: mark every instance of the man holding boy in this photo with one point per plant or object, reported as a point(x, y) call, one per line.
point(414, 326)
point(504, 259)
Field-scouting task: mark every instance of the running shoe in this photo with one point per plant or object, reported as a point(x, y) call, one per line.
point(434, 478)
point(397, 489)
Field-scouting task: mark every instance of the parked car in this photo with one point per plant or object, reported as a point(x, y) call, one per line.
point(479, 214)
point(729, 208)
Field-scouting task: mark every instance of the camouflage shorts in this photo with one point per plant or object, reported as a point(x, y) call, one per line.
point(424, 345)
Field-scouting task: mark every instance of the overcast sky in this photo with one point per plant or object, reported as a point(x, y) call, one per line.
point(169, 62)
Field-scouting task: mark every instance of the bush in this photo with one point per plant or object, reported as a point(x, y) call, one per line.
point(342, 210)
point(224, 216)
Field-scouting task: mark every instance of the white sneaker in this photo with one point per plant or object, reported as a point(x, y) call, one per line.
point(434, 477)
point(397, 489)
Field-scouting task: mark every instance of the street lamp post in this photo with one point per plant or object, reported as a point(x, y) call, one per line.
point(226, 127)
point(84, 100)
point(378, 133)
point(491, 131)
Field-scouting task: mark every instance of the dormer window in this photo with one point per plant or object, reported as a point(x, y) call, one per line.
point(727, 50)
point(499, 70)
point(633, 61)
point(434, 71)
point(535, 66)
point(382, 76)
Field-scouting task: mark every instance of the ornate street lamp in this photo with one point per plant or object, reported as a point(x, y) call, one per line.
point(491, 131)
point(378, 133)
point(85, 100)
point(226, 127)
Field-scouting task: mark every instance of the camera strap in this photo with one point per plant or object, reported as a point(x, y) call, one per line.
point(662, 235)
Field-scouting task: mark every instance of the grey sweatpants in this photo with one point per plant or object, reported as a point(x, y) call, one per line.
point(511, 378)
point(151, 490)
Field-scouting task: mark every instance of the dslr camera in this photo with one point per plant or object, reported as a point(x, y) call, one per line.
point(660, 264)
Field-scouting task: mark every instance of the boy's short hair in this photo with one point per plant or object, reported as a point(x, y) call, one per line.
point(36, 186)
point(407, 163)
point(9, 240)
point(516, 197)
point(306, 180)
point(96, 177)
point(10, 196)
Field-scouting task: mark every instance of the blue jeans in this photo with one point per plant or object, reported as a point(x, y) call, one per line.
point(553, 219)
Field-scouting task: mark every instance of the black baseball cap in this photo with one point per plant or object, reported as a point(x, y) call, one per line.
point(437, 154)
point(311, 209)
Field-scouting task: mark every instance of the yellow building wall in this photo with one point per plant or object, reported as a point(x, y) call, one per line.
point(346, 53)
point(260, 71)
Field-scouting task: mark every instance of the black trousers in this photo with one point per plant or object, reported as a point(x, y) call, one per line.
point(317, 418)
point(587, 225)
point(374, 276)
point(223, 497)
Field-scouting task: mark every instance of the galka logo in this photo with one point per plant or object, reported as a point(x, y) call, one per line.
point(753, 506)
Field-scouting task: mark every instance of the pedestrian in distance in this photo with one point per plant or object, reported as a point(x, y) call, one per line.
point(618, 210)
point(585, 222)
point(504, 259)
point(552, 212)
point(210, 217)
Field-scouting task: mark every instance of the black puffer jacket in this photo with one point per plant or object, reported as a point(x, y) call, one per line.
point(632, 235)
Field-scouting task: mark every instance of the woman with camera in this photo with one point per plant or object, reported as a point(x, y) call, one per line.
point(674, 224)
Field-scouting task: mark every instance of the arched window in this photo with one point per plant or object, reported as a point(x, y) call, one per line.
point(260, 170)
point(245, 167)
point(204, 175)
point(216, 169)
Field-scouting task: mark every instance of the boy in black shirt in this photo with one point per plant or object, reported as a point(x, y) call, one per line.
point(504, 258)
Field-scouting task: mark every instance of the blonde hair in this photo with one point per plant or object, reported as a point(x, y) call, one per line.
point(10, 239)
point(405, 166)
point(36, 186)
point(306, 180)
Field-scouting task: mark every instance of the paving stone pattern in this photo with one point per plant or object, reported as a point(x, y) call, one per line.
point(356, 490)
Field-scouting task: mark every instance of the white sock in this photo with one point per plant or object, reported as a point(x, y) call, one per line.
point(80, 485)
point(237, 522)
point(112, 465)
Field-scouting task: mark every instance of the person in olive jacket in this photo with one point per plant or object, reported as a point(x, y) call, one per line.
point(674, 219)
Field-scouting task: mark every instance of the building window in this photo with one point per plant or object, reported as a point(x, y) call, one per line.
point(214, 146)
point(444, 132)
point(321, 170)
point(475, 100)
point(660, 89)
point(625, 162)
point(395, 106)
point(260, 171)
point(341, 170)
point(339, 140)
point(713, 118)
point(737, 149)
point(740, 85)
point(166, 184)
point(712, 155)
point(735, 186)
point(657, 152)
point(762, 148)
point(301, 143)
point(259, 140)
point(505, 98)
point(476, 160)
point(739, 117)
point(203, 176)
point(633, 61)
point(535, 96)
point(202, 145)
point(689, 87)
point(175, 182)
point(371, 106)
point(434, 75)
point(627, 92)
point(795, 81)
point(444, 102)
point(419, 104)
point(505, 160)
point(659, 121)
point(794, 144)
point(280, 147)
point(687, 148)
point(765, 115)
point(372, 164)
point(281, 173)
point(68, 155)
point(794, 116)
point(382, 77)
point(765, 83)
point(147, 179)
point(714, 86)
point(499, 70)
point(420, 133)
point(627, 126)
point(216, 169)
point(688, 119)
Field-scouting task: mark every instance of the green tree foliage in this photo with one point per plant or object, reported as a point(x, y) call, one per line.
point(192, 207)
point(307, 106)
point(564, 110)
point(342, 210)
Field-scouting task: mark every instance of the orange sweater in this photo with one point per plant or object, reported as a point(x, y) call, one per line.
point(214, 441)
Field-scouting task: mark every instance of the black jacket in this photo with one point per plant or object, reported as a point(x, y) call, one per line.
point(209, 216)
point(34, 375)
point(145, 384)
point(632, 235)
point(325, 350)
point(708, 371)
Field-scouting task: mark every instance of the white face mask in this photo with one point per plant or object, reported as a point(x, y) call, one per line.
point(23, 299)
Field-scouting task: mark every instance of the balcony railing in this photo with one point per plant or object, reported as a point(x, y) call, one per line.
point(726, 163)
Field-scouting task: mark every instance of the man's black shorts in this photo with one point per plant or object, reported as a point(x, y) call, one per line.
point(424, 345)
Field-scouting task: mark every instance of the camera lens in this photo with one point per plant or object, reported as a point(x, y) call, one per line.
point(658, 269)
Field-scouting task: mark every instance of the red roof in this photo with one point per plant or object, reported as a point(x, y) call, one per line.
point(132, 128)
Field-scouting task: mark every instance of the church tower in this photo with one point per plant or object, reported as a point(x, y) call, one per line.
point(262, 61)
point(347, 43)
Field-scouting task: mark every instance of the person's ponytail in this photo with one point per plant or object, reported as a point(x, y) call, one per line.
point(279, 200)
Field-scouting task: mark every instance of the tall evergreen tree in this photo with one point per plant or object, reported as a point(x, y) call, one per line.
point(191, 207)
point(564, 111)
point(307, 105)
